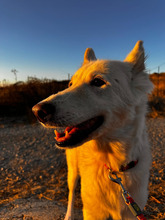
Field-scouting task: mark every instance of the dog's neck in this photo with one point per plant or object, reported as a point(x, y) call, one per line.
point(112, 153)
point(119, 151)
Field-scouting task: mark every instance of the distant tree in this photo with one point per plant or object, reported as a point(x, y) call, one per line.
point(15, 73)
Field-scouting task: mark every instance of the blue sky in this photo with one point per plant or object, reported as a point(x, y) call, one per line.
point(47, 38)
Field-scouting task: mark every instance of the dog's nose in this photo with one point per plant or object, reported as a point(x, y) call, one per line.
point(43, 111)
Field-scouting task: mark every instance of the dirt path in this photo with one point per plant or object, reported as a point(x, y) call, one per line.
point(33, 173)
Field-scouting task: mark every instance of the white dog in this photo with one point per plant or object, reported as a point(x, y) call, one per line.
point(101, 117)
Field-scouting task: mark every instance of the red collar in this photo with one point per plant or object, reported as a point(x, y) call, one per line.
point(124, 168)
point(128, 166)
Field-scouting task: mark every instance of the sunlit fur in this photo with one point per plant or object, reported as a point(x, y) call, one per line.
point(122, 137)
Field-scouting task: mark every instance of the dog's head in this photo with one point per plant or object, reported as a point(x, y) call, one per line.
point(102, 97)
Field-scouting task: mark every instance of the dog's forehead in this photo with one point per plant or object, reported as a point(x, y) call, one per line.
point(106, 68)
point(89, 70)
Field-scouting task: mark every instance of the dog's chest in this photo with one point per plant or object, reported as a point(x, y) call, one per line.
point(95, 182)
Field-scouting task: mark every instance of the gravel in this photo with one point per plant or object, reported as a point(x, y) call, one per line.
point(33, 173)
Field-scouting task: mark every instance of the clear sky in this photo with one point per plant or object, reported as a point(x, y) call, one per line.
point(47, 38)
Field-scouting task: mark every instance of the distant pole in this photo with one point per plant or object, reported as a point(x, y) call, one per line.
point(68, 76)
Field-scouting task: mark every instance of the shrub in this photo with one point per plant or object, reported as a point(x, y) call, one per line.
point(18, 99)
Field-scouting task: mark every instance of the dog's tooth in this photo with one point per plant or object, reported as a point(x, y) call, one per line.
point(67, 134)
point(56, 133)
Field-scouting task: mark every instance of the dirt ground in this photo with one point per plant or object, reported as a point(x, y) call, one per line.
point(33, 173)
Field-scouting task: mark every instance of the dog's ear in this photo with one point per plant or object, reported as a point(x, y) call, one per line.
point(140, 79)
point(137, 57)
point(89, 55)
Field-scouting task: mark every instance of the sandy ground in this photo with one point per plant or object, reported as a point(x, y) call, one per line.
point(33, 173)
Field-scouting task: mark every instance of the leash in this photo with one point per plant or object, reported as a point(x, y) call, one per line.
point(132, 205)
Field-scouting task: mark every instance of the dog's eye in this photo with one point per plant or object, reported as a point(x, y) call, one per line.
point(97, 82)
point(70, 84)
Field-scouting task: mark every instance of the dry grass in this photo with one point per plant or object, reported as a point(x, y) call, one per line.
point(157, 98)
point(159, 84)
point(18, 99)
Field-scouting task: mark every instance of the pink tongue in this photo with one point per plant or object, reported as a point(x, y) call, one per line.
point(64, 136)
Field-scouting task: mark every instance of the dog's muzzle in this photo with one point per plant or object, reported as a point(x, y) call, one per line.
point(72, 135)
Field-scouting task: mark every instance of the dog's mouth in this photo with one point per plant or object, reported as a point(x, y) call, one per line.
point(74, 135)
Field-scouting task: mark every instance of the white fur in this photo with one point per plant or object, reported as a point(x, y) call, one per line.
point(122, 137)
